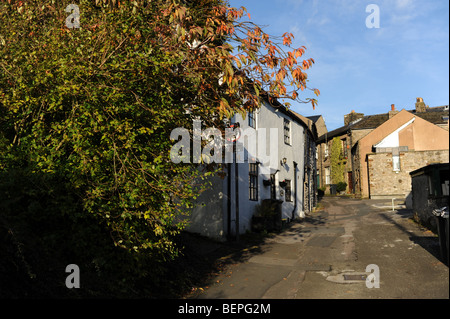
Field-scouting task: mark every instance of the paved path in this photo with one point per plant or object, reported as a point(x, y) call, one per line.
point(326, 255)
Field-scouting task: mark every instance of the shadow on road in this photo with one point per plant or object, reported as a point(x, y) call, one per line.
point(429, 243)
point(317, 219)
point(203, 258)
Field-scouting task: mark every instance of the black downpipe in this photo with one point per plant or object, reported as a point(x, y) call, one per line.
point(236, 196)
point(229, 201)
point(236, 177)
point(295, 190)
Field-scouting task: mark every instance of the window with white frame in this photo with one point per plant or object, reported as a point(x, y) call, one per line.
point(327, 176)
point(253, 181)
point(273, 194)
point(252, 119)
point(396, 163)
point(287, 191)
point(287, 132)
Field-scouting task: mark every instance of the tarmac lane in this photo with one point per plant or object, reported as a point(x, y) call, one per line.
point(349, 249)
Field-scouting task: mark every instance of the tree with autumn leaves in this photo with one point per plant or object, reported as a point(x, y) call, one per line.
point(89, 110)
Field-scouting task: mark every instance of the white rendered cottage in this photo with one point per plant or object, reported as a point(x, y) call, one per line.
point(280, 168)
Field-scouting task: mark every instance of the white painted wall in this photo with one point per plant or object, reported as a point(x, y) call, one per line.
point(267, 117)
point(210, 216)
point(392, 139)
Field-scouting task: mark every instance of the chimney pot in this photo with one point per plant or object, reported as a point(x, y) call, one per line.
point(393, 111)
point(420, 105)
point(352, 116)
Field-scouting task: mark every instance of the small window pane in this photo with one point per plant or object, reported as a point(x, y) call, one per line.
point(253, 182)
point(251, 119)
point(288, 191)
point(396, 163)
point(287, 131)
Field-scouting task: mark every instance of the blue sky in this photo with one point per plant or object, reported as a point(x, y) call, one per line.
point(359, 68)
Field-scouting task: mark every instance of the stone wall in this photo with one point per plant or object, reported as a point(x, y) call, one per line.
point(359, 134)
point(384, 182)
point(323, 162)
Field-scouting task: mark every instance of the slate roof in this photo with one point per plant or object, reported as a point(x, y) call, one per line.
point(337, 132)
point(434, 115)
point(314, 118)
point(370, 121)
point(293, 115)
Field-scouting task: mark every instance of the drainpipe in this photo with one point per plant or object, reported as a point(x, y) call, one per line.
point(229, 201)
point(295, 190)
point(304, 168)
point(236, 176)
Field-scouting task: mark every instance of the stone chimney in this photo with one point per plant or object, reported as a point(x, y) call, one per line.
point(420, 105)
point(352, 116)
point(393, 111)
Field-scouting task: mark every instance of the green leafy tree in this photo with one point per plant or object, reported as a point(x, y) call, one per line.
point(95, 105)
point(337, 162)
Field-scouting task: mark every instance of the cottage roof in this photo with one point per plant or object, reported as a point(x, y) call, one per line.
point(370, 121)
point(314, 118)
point(436, 115)
point(293, 115)
point(304, 119)
point(337, 132)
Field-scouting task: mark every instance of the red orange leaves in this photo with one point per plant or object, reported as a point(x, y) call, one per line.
point(287, 38)
point(246, 60)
